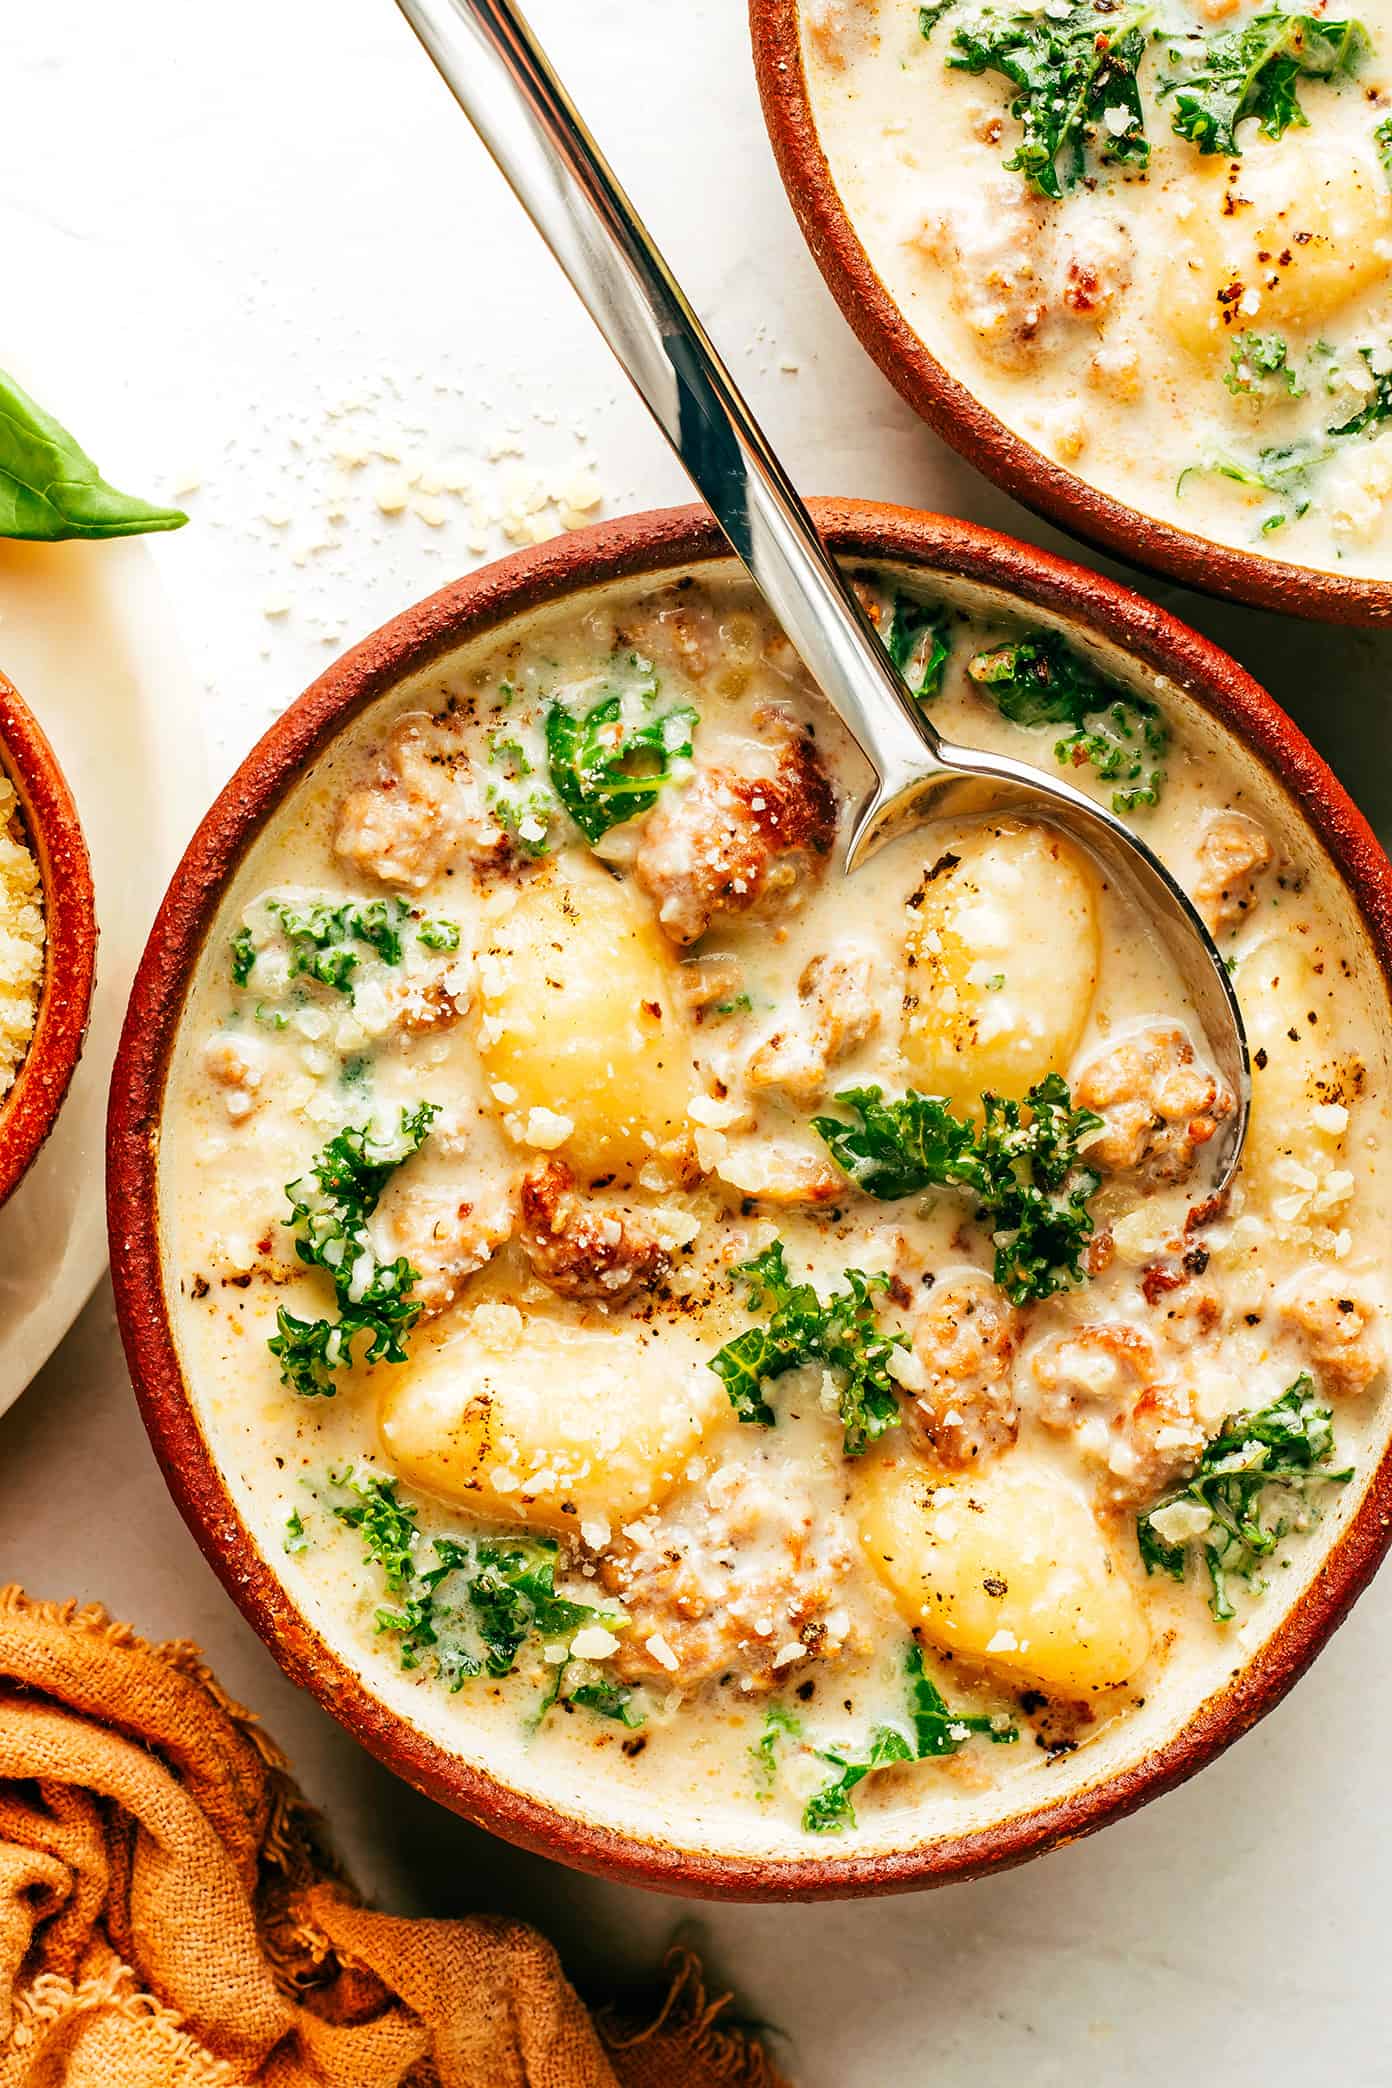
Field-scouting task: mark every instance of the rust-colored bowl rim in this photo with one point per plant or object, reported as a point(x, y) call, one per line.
point(54, 832)
point(652, 544)
point(961, 419)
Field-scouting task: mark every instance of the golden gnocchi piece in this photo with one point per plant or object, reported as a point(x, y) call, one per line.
point(580, 1031)
point(987, 1002)
point(1285, 237)
point(1007, 1568)
point(1296, 1064)
point(543, 1421)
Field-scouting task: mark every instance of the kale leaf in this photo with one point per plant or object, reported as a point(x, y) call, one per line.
point(936, 1731)
point(325, 941)
point(1074, 68)
point(605, 769)
point(243, 956)
point(329, 1210)
point(840, 1332)
point(1254, 72)
point(1382, 138)
point(1040, 680)
point(1377, 404)
point(1256, 357)
point(918, 645)
point(472, 1609)
point(1023, 1165)
point(779, 1723)
point(829, 1810)
point(1255, 1483)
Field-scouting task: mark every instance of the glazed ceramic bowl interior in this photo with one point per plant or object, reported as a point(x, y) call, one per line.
point(438, 1741)
point(54, 833)
point(947, 402)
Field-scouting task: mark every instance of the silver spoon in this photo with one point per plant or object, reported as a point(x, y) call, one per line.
point(499, 76)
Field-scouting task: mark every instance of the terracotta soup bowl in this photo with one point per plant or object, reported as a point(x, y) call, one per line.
point(444, 1744)
point(945, 396)
point(47, 818)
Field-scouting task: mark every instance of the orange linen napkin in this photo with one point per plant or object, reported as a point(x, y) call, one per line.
point(170, 1916)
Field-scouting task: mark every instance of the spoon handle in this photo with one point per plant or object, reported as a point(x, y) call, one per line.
point(493, 66)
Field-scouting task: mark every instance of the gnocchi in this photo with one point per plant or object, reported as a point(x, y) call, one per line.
point(1004, 1567)
point(581, 1032)
point(986, 1004)
point(538, 1421)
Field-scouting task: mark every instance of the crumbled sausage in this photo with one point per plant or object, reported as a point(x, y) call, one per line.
point(423, 1006)
point(412, 818)
point(1100, 1382)
point(1342, 1334)
point(964, 1341)
point(581, 1249)
point(1158, 1104)
point(1234, 856)
point(730, 843)
point(237, 1065)
point(991, 249)
point(837, 1013)
point(445, 1240)
point(741, 1579)
point(704, 982)
point(1016, 280)
point(1094, 268)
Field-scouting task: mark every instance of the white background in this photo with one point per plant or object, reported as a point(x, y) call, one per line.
point(216, 226)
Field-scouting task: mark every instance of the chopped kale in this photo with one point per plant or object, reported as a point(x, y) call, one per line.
point(929, 17)
point(840, 1332)
point(1377, 404)
point(329, 1210)
point(606, 1700)
point(1041, 680)
point(473, 1608)
point(243, 956)
point(1288, 469)
point(438, 934)
point(524, 813)
point(779, 1724)
point(829, 1810)
point(1257, 358)
point(322, 937)
point(918, 645)
point(1258, 1480)
point(605, 769)
point(1074, 68)
point(1382, 138)
point(1253, 72)
point(936, 1731)
point(1023, 1165)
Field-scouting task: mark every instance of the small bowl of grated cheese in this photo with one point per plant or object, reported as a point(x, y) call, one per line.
point(48, 938)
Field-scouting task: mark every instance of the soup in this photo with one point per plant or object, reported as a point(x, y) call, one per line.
point(1159, 251)
point(746, 1354)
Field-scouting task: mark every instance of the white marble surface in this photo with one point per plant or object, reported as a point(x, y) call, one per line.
point(219, 224)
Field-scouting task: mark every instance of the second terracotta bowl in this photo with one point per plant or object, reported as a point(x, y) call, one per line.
point(645, 1847)
point(54, 833)
point(956, 414)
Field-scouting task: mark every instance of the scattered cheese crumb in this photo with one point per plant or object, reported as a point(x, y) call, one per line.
point(546, 1129)
point(594, 1643)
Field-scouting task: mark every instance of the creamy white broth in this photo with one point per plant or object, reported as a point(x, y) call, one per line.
point(1107, 327)
point(759, 1565)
